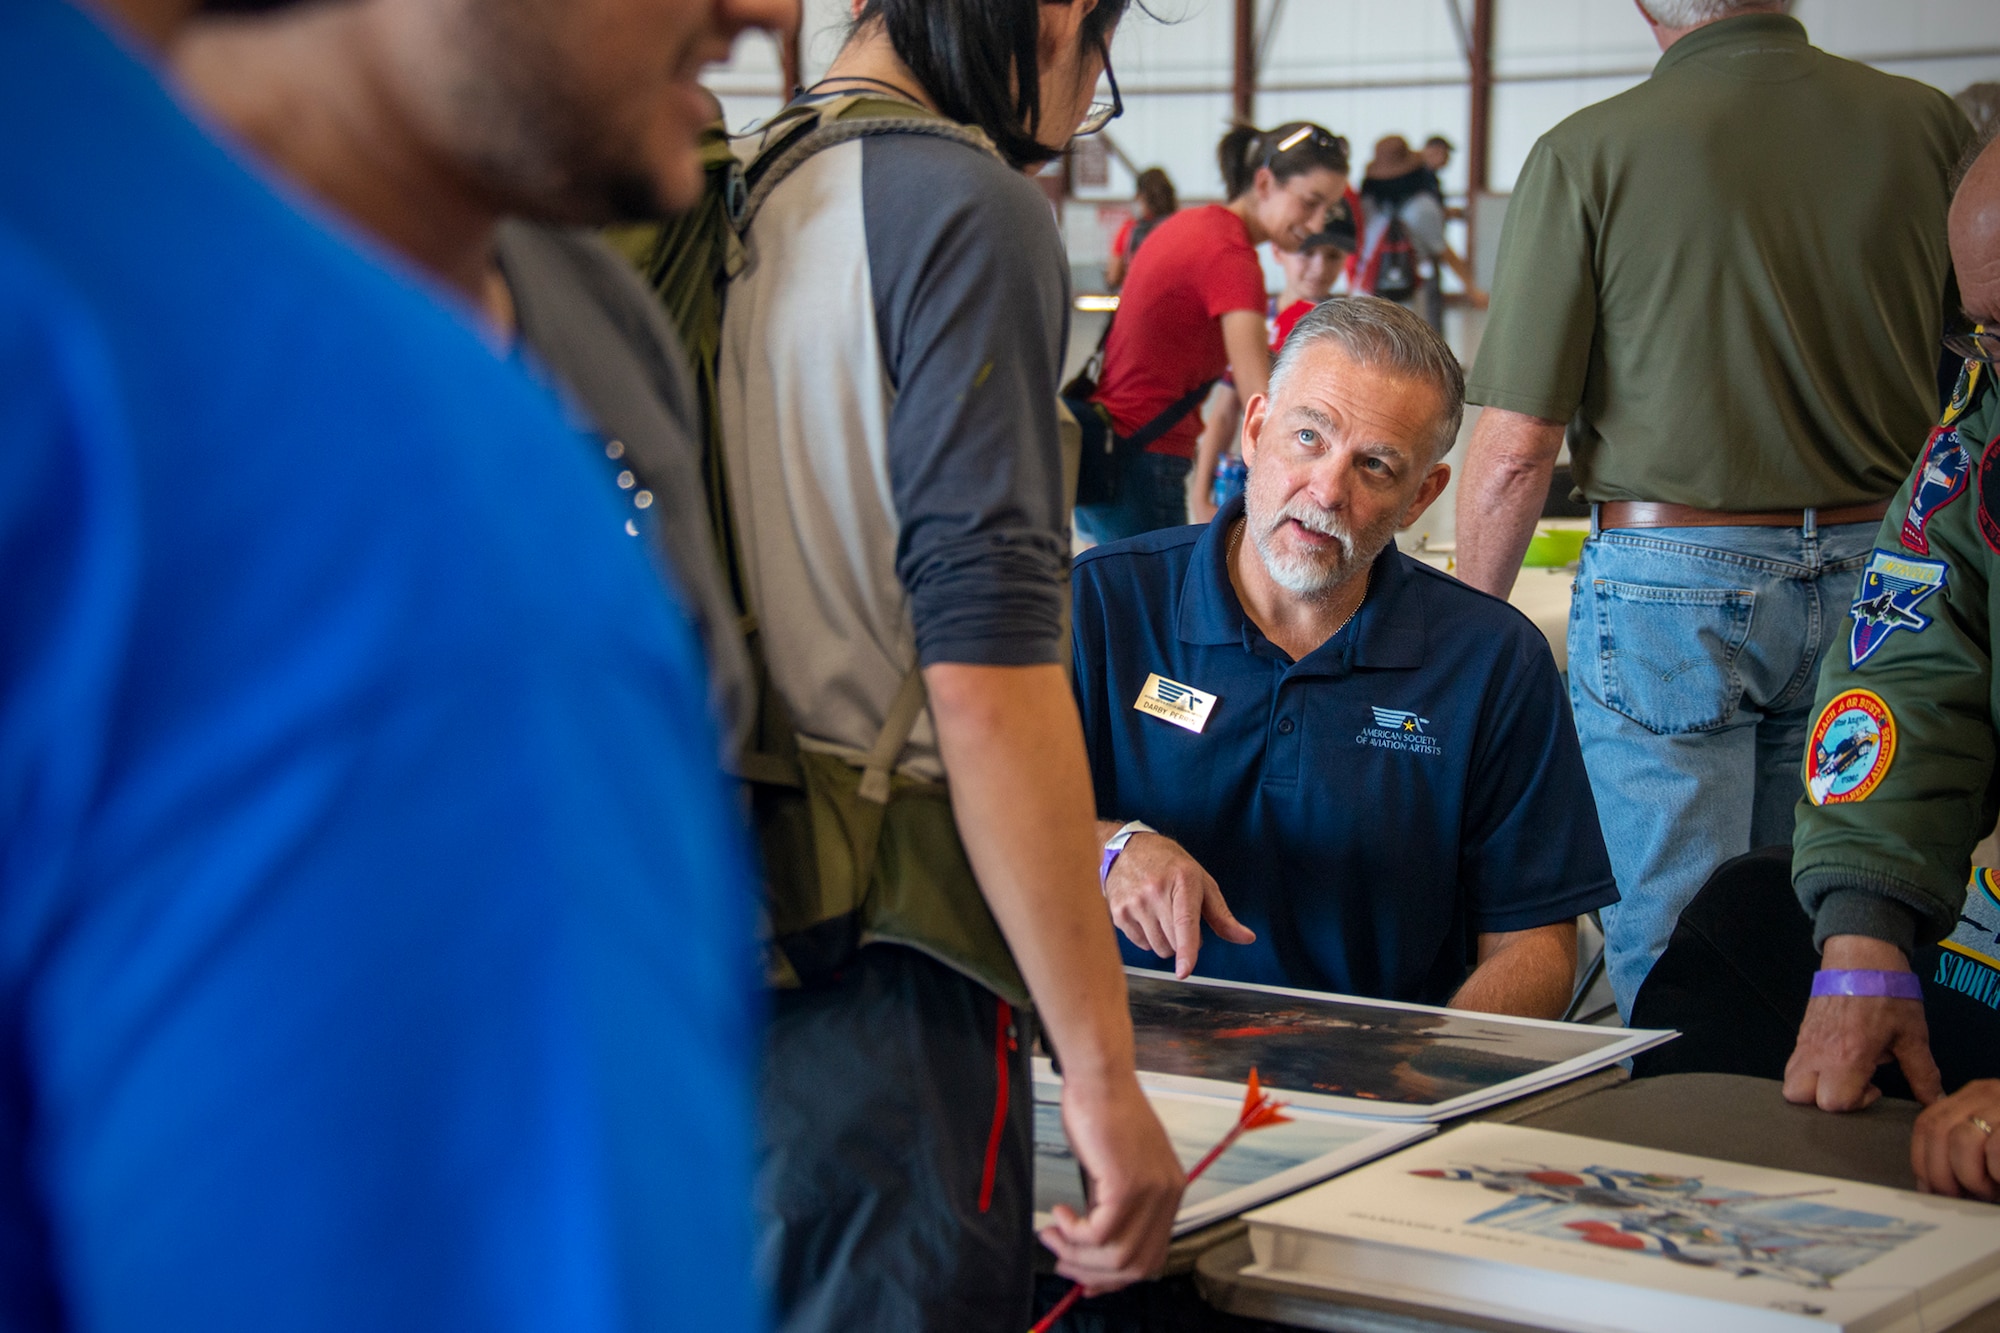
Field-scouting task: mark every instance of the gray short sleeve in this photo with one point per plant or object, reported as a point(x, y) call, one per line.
point(971, 291)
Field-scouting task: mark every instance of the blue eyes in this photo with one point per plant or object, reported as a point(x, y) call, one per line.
point(1309, 438)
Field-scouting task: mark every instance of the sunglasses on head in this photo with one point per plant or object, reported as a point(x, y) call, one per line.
point(1318, 137)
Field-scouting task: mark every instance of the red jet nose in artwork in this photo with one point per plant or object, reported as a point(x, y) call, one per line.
point(1603, 1233)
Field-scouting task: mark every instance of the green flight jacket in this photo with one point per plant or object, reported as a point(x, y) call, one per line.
point(1899, 768)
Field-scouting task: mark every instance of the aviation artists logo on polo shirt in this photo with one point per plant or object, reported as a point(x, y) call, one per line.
point(1396, 729)
point(1171, 701)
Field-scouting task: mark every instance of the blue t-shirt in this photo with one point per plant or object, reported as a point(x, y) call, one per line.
point(375, 934)
point(1369, 810)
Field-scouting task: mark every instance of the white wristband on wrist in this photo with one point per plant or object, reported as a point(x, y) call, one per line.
point(1116, 847)
point(1117, 841)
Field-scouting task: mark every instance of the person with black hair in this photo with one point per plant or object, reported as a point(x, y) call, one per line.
point(887, 385)
point(1437, 154)
point(1193, 307)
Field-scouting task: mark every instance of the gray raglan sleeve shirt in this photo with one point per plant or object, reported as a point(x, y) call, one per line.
point(971, 288)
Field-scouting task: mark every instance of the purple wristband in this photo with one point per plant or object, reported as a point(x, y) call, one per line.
point(1111, 855)
point(1866, 983)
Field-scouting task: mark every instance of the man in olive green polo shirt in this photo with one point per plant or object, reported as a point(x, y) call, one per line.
point(1728, 284)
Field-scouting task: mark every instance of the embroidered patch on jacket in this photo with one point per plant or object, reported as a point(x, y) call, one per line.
point(1989, 517)
point(1853, 744)
point(1941, 476)
point(1399, 729)
point(1961, 396)
point(1171, 701)
point(1892, 587)
point(1969, 961)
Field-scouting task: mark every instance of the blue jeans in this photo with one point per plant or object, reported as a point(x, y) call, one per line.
point(1152, 494)
point(1694, 654)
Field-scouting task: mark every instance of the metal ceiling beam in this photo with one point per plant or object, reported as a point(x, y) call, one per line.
point(1458, 28)
point(1479, 149)
point(1451, 80)
point(1272, 19)
point(791, 59)
point(1243, 87)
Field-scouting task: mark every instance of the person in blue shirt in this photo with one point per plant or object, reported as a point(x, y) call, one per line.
point(376, 935)
point(1359, 772)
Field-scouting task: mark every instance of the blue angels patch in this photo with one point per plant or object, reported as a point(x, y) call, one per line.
point(1942, 474)
point(1969, 961)
point(1892, 588)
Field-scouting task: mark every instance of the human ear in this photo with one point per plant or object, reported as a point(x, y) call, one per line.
point(1254, 415)
point(1062, 28)
point(1428, 491)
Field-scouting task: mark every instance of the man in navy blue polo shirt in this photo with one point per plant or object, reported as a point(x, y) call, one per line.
point(1362, 773)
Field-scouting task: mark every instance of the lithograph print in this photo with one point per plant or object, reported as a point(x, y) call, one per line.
point(1361, 1057)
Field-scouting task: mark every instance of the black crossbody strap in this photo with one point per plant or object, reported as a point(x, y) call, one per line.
point(1168, 419)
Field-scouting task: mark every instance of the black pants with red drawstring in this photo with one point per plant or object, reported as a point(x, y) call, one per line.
point(896, 1176)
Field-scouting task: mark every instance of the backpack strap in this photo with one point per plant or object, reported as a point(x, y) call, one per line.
point(781, 149)
point(786, 144)
point(896, 728)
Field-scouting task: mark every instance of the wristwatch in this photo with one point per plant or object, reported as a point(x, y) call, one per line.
point(1116, 846)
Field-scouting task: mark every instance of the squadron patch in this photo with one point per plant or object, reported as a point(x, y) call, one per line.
point(1892, 587)
point(1961, 396)
point(1853, 744)
point(1989, 519)
point(1969, 961)
point(1942, 473)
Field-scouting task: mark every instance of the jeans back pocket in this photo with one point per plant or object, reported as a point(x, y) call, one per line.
point(1667, 656)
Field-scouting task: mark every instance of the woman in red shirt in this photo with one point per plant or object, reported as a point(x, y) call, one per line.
point(1193, 307)
point(1310, 274)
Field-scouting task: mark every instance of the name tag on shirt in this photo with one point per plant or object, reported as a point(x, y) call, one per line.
point(1171, 701)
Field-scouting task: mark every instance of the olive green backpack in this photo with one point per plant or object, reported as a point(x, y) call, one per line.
point(851, 856)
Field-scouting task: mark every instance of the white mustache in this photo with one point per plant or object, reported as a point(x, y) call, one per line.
point(1318, 521)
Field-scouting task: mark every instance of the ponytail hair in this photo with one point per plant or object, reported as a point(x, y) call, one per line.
point(977, 61)
point(1292, 149)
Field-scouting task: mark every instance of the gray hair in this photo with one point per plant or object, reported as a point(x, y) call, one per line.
point(1387, 336)
point(1981, 104)
point(1694, 13)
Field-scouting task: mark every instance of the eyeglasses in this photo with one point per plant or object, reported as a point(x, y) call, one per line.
point(1103, 113)
point(1978, 345)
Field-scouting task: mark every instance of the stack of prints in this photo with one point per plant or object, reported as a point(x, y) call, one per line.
point(1560, 1232)
point(1259, 1167)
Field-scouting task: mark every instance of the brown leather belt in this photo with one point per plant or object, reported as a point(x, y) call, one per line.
point(1646, 514)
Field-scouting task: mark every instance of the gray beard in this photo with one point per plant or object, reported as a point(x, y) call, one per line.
point(1303, 576)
